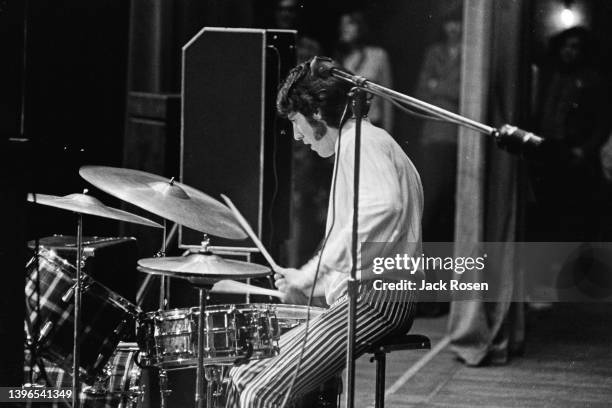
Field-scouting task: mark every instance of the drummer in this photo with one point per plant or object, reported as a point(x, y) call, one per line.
point(390, 207)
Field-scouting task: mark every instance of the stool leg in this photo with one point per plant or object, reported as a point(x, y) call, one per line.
point(381, 361)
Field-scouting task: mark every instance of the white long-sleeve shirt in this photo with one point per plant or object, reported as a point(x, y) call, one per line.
point(390, 208)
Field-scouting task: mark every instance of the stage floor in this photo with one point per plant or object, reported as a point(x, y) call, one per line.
point(567, 363)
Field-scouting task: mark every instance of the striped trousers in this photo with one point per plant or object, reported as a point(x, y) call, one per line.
point(263, 383)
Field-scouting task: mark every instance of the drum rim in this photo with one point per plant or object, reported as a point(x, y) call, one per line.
point(185, 312)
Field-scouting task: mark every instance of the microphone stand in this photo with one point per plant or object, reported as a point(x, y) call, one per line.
point(76, 347)
point(358, 105)
point(505, 136)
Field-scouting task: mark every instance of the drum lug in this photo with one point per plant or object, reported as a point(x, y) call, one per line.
point(138, 391)
point(85, 284)
point(69, 293)
point(247, 357)
point(46, 329)
point(120, 327)
point(99, 361)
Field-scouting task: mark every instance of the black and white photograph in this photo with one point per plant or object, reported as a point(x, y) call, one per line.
point(306, 204)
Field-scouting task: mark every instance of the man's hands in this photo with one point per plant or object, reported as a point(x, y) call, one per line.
point(294, 284)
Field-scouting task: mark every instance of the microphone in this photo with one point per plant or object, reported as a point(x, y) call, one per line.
point(521, 142)
point(322, 67)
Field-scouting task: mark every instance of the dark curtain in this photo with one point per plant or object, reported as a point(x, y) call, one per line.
point(488, 206)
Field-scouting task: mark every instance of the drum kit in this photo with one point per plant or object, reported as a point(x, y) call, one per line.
point(80, 325)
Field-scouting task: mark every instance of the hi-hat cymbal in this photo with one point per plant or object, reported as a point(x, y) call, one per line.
point(167, 198)
point(201, 267)
point(240, 288)
point(85, 204)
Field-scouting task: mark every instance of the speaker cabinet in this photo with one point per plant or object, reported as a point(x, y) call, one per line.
point(232, 141)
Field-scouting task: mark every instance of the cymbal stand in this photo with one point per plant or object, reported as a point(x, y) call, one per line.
point(164, 282)
point(32, 338)
point(163, 388)
point(76, 383)
point(200, 375)
point(146, 284)
point(164, 304)
point(214, 375)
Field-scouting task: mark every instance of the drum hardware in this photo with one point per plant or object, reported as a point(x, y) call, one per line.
point(205, 243)
point(216, 380)
point(144, 287)
point(248, 353)
point(31, 346)
point(68, 295)
point(45, 330)
point(70, 292)
point(83, 204)
point(199, 397)
point(164, 282)
point(164, 391)
point(76, 384)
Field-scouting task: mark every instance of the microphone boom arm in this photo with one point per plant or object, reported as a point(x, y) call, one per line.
point(324, 67)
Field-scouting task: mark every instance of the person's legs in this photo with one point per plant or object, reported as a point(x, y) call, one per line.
point(264, 383)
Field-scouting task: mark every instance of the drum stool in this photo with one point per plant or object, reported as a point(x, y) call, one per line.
point(387, 345)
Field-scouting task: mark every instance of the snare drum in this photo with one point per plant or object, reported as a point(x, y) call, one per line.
point(106, 317)
point(169, 339)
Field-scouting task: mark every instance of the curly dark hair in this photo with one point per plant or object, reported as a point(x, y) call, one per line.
point(308, 94)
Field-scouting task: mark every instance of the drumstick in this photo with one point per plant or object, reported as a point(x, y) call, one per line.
point(239, 288)
point(245, 224)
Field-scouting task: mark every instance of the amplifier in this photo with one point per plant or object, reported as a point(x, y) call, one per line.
point(232, 141)
point(111, 261)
